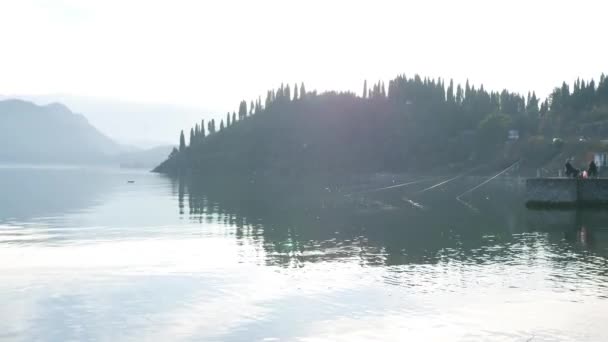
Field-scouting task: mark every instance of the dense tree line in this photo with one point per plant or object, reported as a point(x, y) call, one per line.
point(412, 123)
point(570, 109)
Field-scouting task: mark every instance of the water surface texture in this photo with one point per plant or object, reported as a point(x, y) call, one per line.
point(85, 255)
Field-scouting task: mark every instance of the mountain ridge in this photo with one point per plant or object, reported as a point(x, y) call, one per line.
point(52, 133)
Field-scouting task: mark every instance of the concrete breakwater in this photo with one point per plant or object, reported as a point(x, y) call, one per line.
point(566, 191)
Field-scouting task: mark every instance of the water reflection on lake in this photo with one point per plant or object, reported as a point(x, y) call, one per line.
point(84, 255)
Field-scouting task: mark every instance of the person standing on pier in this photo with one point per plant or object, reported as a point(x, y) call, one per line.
point(570, 170)
point(592, 169)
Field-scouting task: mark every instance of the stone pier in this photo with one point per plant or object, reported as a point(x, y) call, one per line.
point(566, 191)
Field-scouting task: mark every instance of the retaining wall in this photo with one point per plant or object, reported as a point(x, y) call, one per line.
point(566, 191)
point(551, 190)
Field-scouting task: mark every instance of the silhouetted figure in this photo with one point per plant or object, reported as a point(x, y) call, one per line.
point(571, 171)
point(592, 169)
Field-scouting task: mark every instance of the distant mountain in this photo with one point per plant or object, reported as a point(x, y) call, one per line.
point(136, 124)
point(50, 134)
point(143, 159)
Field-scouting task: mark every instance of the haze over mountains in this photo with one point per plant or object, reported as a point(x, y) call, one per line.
point(141, 125)
point(52, 133)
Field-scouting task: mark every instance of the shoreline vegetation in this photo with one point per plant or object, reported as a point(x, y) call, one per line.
point(411, 125)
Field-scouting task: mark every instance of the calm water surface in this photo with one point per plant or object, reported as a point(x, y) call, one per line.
point(84, 255)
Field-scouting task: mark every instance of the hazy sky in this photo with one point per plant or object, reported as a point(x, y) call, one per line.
point(211, 54)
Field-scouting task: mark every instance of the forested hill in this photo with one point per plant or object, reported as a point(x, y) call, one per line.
point(411, 124)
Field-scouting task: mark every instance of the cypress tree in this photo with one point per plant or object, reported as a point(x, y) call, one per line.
point(233, 117)
point(279, 94)
point(202, 129)
point(302, 91)
point(242, 109)
point(459, 94)
point(602, 90)
point(565, 94)
point(251, 108)
point(532, 104)
point(221, 125)
point(365, 89)
point(295, 92)
point(191, 137)
point(228, 119)
point(268, 100)
point(182, 142)
point(450, 93)
point(544, 108)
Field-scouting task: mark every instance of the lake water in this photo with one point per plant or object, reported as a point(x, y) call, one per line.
point(85, 255)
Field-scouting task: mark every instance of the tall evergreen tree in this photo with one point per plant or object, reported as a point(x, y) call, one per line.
point(365, 89)
point(602, 90)
point(182, 142)
point(221, 125)
point(242, 109)
point(268, 100)
point(233, 117)
point(295, 92)
point(202, 129)
point(228, 119)
point(532, 104)
point(191, 137)
point(302, 91)
point(450, 93)
point(280, 93)
point(459, 95)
